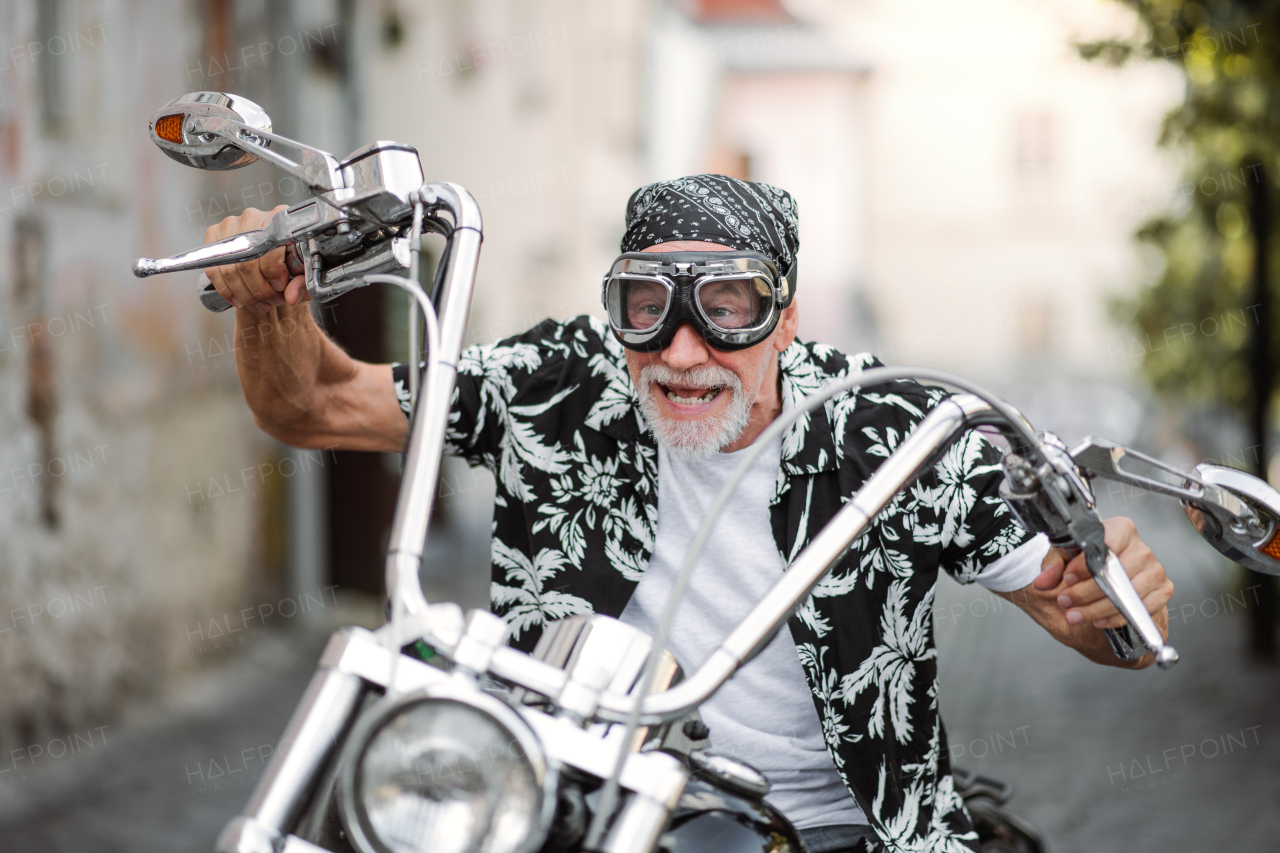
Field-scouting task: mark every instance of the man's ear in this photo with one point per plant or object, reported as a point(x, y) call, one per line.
point(787, 323)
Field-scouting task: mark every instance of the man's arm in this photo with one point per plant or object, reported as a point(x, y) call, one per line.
point(1068, 603)
point(302, 388)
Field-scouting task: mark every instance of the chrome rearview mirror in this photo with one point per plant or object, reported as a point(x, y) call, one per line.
point(1250, 537)
point(183, 130)
point(217, 131)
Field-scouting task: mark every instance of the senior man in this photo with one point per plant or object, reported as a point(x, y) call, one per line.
point(608, 441)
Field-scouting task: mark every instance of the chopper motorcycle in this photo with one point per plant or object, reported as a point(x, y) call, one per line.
point(431, 734)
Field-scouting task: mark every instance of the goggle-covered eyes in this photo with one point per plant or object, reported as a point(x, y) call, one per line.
point(737, 303)
point(732, 299)
point(640, 303)
point(730, 304)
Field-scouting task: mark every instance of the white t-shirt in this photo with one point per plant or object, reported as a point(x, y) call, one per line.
point(765, 714)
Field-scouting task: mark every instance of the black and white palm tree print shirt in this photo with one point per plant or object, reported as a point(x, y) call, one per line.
point(554, 415)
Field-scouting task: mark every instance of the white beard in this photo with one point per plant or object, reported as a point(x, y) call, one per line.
point(698, 439)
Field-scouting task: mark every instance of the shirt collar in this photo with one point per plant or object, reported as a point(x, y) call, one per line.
point(808, 445)
point(616, 412)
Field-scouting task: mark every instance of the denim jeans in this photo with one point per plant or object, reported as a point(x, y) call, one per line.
point(848, 838)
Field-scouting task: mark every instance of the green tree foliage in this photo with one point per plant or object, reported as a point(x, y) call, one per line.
point(1193, 324)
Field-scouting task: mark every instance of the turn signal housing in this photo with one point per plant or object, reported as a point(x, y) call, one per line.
point(1272, 548)
point(169, 128)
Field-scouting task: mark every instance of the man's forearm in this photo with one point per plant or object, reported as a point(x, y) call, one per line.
point(304, 390)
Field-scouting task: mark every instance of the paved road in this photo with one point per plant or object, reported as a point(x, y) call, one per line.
point(169, 780)
point(1103, 760)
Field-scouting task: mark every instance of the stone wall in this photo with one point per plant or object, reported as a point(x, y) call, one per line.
point(138, 501)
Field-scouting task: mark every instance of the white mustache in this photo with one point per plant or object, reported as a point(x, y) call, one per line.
point(710, 376)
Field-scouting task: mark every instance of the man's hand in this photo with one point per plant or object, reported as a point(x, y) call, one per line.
point(1081, 598)
point(260, 284)
point(302, 387)
point(1068, 603)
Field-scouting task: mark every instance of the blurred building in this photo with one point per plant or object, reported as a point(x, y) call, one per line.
point(747, 89)
point(537, 108)
point(1005, 178)
point(968, 186)
point(144, 520)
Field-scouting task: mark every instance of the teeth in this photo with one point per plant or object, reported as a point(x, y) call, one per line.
point(691, 401)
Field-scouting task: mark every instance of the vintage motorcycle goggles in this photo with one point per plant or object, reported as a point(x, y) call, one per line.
point(733, 299)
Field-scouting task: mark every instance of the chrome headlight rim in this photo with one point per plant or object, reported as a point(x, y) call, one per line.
point(350, 808)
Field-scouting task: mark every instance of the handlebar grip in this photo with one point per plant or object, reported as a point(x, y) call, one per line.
point(209, 297)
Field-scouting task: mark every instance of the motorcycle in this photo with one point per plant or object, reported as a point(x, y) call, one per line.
point(432, 734)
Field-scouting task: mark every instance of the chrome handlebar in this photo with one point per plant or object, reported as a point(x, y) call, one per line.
point(912, 457)
point(366, 212)
point(1051, 495)
point(1226, 499)
point(420, 481)
point(1237, 513)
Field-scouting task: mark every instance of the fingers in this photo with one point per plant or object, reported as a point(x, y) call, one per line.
point(250, 284)
point(296, 291)
point(1051, 570)
point(1083, 599)
point(272, 267)
point(246, 282)
point(1120, 533)
point(1152, 585)
point(1154, 602)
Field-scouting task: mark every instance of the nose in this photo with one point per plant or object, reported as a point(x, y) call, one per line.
point(686, 350)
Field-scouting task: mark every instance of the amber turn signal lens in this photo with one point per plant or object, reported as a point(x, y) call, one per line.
point(1272, 548)
point(169, 128)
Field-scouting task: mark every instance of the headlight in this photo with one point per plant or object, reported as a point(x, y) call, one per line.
point(445, 770)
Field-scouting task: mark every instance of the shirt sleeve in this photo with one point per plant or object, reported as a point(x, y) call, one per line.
point(976, 528)
point(473, 431)
point(400, 376)
point(1016, 569)
point(490, 376)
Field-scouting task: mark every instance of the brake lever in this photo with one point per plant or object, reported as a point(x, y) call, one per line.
point(1055, 498)
point(1105, 568)
point(293, 225)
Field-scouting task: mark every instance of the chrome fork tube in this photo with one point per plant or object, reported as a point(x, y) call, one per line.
point(305, 749)
point(426, 442)
point(917, 452)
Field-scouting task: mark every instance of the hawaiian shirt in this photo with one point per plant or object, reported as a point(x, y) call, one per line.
point(554, 415)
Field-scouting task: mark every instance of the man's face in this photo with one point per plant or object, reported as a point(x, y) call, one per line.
point(698, 399)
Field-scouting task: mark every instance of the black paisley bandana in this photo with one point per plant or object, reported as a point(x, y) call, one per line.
point(718, 209)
